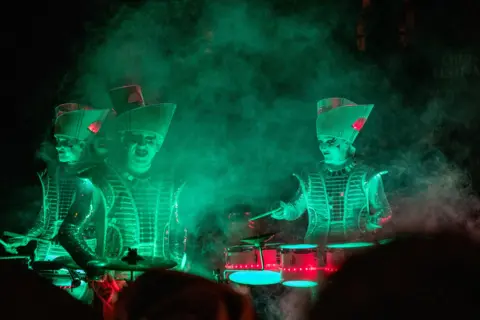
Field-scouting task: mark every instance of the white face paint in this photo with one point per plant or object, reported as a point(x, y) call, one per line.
point(142, 148)
point(69, 150)
point(334, 150)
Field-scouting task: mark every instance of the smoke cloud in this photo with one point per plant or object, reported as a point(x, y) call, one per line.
point(246, 77)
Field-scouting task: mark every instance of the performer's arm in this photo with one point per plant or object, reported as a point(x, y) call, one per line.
point(80, 215)
point(177, 227)
point(379, 206)
point(292, 210)
point(34, 232)
point(39, 226)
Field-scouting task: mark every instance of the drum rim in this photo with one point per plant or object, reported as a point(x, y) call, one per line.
point(284, 283)
point(346, 245)
point(305, 246)
point(250, 246)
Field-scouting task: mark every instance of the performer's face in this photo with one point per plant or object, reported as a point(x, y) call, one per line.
point(142, 147)
point(69, 150)
point(334, 150)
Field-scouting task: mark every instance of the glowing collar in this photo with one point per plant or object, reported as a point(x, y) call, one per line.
point(347, 167)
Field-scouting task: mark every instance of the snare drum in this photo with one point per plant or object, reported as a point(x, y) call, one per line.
point(243, 264)
point(300, 266)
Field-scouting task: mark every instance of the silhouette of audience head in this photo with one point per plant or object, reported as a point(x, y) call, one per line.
point(164, 294)
point(432, 275)
point(26, 295)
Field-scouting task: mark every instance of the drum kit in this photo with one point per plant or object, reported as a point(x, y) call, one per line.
point(64, 273)
point(255, 262)
point(260, 263)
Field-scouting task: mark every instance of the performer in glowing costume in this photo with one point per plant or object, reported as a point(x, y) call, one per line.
point(63, 191)
point(140, 201)
point(75, 127)
point(344, 199)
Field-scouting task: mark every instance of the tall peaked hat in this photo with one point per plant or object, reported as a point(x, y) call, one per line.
point(80, 124)
point(134, 115)
point(341, 118)
point(126, 98)
point(68, 107)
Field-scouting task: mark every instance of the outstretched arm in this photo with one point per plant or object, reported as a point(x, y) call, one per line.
point(177, 228)
point(293, 209)
point(39, 226)
point(79, 217)
point(379, 206)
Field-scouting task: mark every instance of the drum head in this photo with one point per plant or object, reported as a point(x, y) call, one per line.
point(299, 284)
point(350, 245)
point(255, 278)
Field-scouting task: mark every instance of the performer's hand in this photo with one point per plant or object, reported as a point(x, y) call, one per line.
point(17, 242)
point(8, 248)
point(373, 226)
point(280, 214)
point(11, 250)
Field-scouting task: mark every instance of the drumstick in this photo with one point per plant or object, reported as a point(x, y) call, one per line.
point(17, 235)
point(14, 257)
point(269, 213)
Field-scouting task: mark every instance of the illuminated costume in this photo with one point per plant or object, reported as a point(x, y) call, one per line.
point(75, 126)
point(140, 201)
point(344, 202)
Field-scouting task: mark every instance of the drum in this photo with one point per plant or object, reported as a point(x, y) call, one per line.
point(300, 266)
point(337, 253)
point(66, 277)
point(243, 264)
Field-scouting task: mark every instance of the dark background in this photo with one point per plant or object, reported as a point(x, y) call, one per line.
point(45, 39)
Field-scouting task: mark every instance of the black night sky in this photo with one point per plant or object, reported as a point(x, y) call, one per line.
point(48, 37)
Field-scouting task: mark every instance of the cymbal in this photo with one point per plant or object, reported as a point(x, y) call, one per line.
point(144, 265)
point(259, 239)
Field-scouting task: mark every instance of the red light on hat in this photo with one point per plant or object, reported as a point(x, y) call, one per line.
point(359, 123)
point(135, 97)
point(95, 127)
